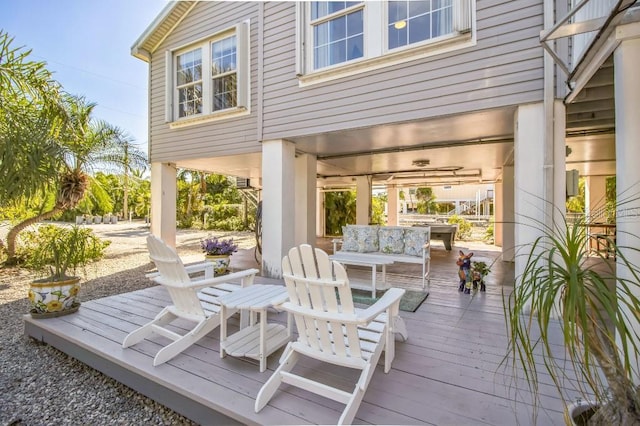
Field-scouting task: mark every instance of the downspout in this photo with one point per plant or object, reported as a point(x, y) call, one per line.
point(548, 107)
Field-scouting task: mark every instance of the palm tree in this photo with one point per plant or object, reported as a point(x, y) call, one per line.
point(31, 115)
point(83, 145)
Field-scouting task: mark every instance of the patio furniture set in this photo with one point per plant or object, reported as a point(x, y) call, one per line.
point(316, 295)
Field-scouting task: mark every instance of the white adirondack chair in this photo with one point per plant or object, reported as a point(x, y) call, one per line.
point(331, 329)
point(193, 299)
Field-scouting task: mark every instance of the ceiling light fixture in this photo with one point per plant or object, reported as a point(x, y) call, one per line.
point(420, 163)
point(400, 25)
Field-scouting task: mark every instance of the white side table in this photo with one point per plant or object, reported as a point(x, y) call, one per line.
point(257, 340)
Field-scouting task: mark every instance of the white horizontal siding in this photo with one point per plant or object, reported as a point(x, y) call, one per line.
point(503, 69)
point(223, 137)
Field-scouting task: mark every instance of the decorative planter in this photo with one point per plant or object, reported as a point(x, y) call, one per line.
point(114, 219)
point(577, 413)
point(220, 261)
point(54, 298)
point(97, 219)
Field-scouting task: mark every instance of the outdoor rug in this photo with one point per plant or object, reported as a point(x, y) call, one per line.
point(410, 302)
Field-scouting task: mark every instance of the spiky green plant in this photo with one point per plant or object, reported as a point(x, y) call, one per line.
point(566, 285)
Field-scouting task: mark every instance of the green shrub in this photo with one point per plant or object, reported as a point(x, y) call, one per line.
point(464, 227)
point(54, 250)
point(488, 233)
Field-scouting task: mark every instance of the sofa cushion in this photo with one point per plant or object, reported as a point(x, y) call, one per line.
point(391, 239)
point(349, 239)
point(366, 238)
point(414, 240)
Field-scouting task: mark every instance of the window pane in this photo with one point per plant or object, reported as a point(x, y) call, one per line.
point(425, 20)
point(321, 9)
point(354, 47)
point(224, 92)
point(397, 37)
point(190, 100)
point(321, 34)
point(331, 39)
point(417, 8)
point(189, 67)
point(338, 28)
point(337, 52)
point(442, 22)
point(419, 29)
point(223, 56)
point(397, 11)
point(321, 57)
point(354, 24)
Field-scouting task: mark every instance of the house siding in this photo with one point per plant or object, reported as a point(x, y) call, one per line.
point(504, 68)
point(235, 135)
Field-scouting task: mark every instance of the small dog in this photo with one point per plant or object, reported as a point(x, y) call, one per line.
point(464, 262)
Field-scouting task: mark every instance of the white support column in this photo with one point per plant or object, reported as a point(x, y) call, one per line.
point(320, 219)
point(363, 200)
point(392, 205)
point(626, 59)
point(278, 211)
point(529, 190)
point(163, 202)
point(595, 198)
point(305, 196)
point(506, 208)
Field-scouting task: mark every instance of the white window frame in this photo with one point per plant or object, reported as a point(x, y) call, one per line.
point(243, 79)
point(376, 54)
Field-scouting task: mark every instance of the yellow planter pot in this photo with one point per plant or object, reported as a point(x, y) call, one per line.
point(221, 262)
point(54, 298)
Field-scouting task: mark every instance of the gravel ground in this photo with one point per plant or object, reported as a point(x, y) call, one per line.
point(40, 385)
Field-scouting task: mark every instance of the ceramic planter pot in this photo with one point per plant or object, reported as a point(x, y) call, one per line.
point(578, 412)
point(221, 263)
point(54, 298)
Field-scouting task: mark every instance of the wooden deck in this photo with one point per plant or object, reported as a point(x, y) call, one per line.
point(449, 371)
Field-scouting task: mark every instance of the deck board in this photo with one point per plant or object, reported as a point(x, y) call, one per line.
point(449, 371)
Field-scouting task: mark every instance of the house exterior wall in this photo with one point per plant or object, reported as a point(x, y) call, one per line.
point(504, 68)
point(224, 137)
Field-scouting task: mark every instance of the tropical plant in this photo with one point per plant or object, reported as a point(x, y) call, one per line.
point(215, 246)
point(598, 313)
point(464, 226)
point(340, 209)
point(82, 146)
point(481, 268)
point(55, 251)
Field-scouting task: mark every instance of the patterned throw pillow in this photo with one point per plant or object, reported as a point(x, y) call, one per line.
point(391, 239)
point(349, 240)
point(414, 239)
point(367, 237)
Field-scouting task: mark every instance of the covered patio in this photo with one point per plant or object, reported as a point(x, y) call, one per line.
point(449, 371)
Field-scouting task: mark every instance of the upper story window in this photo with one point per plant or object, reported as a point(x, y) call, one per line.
point(338, 38)
point(410, 21)
point(209, 79)
point(337, 32)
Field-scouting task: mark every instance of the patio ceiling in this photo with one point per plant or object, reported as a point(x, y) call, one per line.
point(461, 149)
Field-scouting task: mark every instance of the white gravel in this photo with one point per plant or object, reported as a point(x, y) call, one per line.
point(40, 385)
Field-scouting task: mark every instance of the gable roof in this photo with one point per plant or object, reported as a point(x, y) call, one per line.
point(172, 14)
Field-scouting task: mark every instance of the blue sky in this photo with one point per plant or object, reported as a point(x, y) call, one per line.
point(87, 44)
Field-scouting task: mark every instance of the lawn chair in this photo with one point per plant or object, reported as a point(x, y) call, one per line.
point(331, 329)
point(193, 299)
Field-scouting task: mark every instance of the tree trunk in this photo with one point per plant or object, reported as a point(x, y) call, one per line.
point(13, 233)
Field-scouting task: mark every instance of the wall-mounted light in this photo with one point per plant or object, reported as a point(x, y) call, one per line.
point(400, 24)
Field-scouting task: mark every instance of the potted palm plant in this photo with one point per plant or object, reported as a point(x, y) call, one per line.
point(568, 288)
point(56, 253)
point(219, 251)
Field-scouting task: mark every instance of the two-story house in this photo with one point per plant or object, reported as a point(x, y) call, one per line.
point(302, 97)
